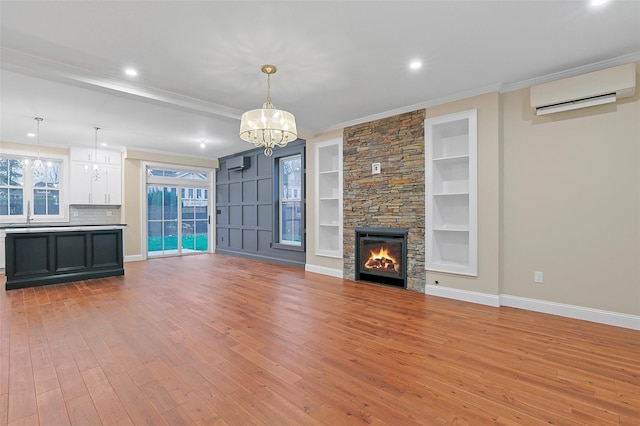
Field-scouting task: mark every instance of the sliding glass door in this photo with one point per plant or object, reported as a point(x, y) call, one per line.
point(162, 220)
point(194, 218)
point(177, 215)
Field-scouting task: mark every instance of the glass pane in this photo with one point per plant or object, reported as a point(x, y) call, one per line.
point(291, 222)
point(170, 203)
point(16, 173)
point(202, 235)
point(188, 235)
point(154, 202)
point(290, 177)
point(4, 171)
point(170, 173)
point(155, 172)
point(53, 202)
point(170, 235)
point(39, 201)
point(4, 202)
point(52, 175)
point(154, 237)
point(200, 176)
point(15, 202)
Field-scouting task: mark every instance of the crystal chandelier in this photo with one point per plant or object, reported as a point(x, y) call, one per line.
point(268, 127)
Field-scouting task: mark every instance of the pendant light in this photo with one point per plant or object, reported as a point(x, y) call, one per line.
point(268, 127)
point(38, 165)
point(95, 169)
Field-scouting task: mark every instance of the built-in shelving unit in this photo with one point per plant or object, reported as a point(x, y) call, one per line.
point(451, 193)
point(328, 167)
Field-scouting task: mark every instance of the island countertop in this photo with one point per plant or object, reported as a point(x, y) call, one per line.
point(56, 227)
point(46, 253)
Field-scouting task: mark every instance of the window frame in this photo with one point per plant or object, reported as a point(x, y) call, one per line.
point(28, 189)
point(278, 155)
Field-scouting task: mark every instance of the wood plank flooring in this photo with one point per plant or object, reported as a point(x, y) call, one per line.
point(219, 340)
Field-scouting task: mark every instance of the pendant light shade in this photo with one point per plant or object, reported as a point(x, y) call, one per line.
point(268, 127)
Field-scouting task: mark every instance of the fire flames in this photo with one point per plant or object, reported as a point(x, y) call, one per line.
point(382, 260)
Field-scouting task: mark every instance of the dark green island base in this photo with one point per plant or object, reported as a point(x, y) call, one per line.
point(49, 255)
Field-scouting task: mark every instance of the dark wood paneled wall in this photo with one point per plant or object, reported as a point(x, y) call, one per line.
point(246, 210)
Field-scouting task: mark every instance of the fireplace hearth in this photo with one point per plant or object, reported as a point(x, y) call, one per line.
point(381, 256)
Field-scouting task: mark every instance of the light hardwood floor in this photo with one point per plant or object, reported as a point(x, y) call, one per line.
point(213, 339)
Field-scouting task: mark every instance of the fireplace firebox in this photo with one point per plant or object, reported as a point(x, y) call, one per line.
point(381, 256)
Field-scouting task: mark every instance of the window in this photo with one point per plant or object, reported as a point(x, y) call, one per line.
point(25, 191)
point(46, 190)
point(290, 203)
point(11, 187)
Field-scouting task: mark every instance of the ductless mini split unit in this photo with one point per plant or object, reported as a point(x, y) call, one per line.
point(595, 88)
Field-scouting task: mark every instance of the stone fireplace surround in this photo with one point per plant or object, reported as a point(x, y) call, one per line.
point(395, 197)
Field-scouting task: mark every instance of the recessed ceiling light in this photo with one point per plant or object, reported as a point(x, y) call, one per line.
point(202, 145)
point(31, 135)
point(415, 65)
point(596, 3)
point(131, 72)
point(103, 144)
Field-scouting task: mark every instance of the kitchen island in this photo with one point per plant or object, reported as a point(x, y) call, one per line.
point(49, 254)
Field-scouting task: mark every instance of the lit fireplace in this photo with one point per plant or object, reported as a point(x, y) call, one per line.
point(381, 255)
point(380, 260)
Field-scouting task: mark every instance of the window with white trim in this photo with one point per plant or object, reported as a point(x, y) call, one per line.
point(25, 190)
point(290, 203)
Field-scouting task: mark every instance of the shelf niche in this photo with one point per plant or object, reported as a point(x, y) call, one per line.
point(451, 193)
point(329, 198)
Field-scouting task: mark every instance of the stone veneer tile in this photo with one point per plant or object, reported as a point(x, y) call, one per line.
point(395, 197)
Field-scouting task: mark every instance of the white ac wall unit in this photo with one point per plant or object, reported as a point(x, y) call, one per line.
point(594, 88)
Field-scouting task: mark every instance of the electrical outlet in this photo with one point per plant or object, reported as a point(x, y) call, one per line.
point(375, 168)
point(538, 277)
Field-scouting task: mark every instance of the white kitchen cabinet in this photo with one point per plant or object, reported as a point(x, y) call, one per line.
point(451, 193)
point(86, 189)
point(328, 166)
point(99, 156)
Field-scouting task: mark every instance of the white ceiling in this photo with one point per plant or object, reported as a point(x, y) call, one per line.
point(339, 62)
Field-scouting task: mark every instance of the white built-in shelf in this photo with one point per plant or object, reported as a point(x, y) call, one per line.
point(451, 193)
point(329, 198)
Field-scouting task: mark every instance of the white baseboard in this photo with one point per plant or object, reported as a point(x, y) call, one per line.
point(133, 258)
point(569, 311)
point(464, 295)
point(324, 270)
point(572, 311)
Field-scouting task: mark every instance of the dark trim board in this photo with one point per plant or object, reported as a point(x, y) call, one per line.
point(42, 258)
point(274, 260)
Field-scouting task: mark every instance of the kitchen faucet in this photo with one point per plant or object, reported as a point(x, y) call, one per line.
point(28, 212)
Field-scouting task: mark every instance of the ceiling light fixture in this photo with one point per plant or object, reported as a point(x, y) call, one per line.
point(596, 3)
point(415, 65)
point(268, 127)
point(95, 169)
point(38, 165)
point(131, 72)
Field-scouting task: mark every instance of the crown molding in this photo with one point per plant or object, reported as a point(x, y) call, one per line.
point(496, 87)
point(46, 69)
point(572, 72)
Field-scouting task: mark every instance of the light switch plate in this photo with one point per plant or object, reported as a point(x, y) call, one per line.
point(375, 168)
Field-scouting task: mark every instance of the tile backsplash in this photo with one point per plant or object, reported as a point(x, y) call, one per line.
point(94, 215)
